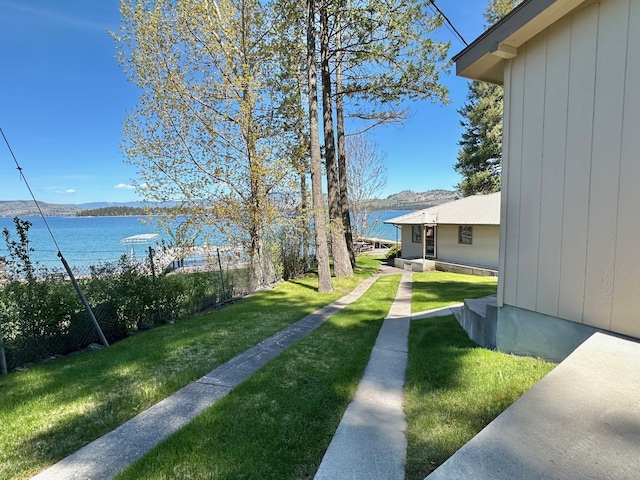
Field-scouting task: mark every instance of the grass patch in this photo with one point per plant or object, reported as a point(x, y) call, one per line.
point(279, 422)
point(439, 289)
point(50, 411)
point(454, 389)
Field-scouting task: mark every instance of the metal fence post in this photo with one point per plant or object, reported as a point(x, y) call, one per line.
point(224, 290)
point(84, 301)
point(3, 358)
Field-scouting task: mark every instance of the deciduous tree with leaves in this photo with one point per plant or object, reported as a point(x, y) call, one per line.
point(207, 130)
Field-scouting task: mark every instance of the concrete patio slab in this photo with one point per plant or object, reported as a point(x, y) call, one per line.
point(581, 421)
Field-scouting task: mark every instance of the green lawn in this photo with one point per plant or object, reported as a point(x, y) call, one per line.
point(439, 289)
point(454, 389)
point(278, 423)
point(49, 411)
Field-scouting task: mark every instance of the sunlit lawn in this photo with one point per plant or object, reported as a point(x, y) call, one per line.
point(278, 423)
point(438, 289)
point(49, 411)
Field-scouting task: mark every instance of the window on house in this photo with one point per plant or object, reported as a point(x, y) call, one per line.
point(416, 234)
point(465, 234)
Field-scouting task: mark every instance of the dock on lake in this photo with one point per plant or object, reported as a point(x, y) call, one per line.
point(365, 244)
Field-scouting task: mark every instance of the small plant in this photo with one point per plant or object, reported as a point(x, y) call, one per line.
point(394, 252)
point(20, 264)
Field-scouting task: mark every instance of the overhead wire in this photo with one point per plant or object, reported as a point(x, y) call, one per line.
point(83, 299)
point(24, 179)
point(448, 22)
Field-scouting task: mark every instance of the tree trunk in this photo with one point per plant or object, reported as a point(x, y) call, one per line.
point(341, 260)
point(304, 210)
point(342, 156)
point(325, 284)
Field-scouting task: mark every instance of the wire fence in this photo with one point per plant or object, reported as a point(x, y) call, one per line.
point(43, 317)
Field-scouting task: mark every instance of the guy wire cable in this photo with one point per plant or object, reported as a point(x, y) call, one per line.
point(30, 191)
point(83, 299)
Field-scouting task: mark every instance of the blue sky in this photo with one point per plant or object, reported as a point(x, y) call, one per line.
point(63, 98)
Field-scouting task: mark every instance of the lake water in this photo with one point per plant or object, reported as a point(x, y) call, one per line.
point(92, 240)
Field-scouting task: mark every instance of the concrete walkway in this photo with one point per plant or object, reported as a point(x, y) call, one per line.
point(370, 442)
point(105, 457)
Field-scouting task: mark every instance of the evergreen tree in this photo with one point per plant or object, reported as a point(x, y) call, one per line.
point(480, 155)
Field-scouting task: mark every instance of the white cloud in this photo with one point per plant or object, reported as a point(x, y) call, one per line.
point(69, 191)
point(124, 186)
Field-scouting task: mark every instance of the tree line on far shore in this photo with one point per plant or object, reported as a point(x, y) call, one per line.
point(121, 211)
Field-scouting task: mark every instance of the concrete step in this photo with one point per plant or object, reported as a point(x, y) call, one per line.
point(479, 319)
point(581, 421)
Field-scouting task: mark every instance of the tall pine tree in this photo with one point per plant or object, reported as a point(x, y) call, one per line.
point(480, 155)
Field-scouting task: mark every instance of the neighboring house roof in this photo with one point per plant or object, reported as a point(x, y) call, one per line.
point(485, 58)
point(473, 210)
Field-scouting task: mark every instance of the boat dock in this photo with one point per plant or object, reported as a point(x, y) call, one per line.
point(367, 244)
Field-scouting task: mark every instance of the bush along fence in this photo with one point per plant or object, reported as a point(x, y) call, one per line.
point(41, 315)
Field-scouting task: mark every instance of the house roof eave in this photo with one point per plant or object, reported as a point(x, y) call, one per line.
point(486, 57)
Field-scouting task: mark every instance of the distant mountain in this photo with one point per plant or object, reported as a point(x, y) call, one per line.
point(405, 200)
point(94, 205)
point(410, 200)
point(27, 208)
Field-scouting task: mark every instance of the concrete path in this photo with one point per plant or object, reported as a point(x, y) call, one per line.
point(581, 421)
point(105, 457)
point(370, 442)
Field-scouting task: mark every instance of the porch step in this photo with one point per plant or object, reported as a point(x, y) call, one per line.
point(479, 319)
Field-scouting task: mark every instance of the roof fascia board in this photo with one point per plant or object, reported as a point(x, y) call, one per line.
point(484, 58)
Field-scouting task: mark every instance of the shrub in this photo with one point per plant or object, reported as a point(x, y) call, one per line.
point(394, 252)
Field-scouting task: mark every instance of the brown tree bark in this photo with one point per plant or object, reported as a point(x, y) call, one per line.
point(341, 260)
point(342, 156)
point(325, 284)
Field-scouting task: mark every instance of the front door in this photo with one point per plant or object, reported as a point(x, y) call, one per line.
point(430, 235)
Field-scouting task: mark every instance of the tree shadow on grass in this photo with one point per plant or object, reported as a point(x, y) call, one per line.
point(454, 389)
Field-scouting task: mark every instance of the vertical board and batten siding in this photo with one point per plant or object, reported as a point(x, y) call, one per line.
point(626, 288)
point(552, 174)
point(483, 251)
point(577, 165)
point(532, 125)
point(511, 187)
point(605, 164)
point(572, 113)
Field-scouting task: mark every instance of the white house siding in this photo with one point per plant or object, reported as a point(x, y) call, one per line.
point(482, 252)
point(410, 249)
point(571, 225)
